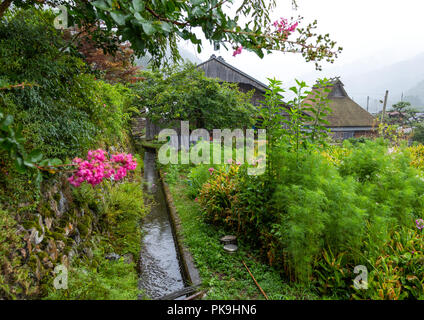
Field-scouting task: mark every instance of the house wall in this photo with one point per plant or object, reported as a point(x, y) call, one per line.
point(342, 135)
point(257, 95)
point(368, 134)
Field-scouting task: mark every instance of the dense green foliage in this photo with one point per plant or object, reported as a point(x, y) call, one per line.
point(52, 107)
point(65, 110)
point(320, 210)
point(185, 94)
point(418, 134)
point(316, 213)
point(154, 27)
point(224, 275)
point(99, 279)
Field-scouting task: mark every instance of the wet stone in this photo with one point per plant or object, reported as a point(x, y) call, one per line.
point(229, 239)
point(230, 248)
point(112, 256)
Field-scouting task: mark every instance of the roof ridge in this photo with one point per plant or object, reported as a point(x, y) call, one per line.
point(221, 60)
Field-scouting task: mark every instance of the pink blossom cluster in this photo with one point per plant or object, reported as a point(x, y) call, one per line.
point(98, 167)
point(237, 51)
point(419, 223)
point(126, 163)
point(284, 27)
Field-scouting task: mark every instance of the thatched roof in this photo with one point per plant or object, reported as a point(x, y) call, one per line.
point(345, 111)
point(216, 67)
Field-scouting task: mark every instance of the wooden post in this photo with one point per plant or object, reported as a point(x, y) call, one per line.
point(384, 106)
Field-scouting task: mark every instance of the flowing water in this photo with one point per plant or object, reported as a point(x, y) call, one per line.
point(160, 268)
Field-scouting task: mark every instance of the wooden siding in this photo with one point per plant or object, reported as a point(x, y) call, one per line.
point(218, 68)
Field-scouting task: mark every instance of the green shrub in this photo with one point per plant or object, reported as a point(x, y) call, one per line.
point(99, 279)
point(317, 218)
point(205, 102)
point(317, 209)
point(397, 268)
point(197, 177)
point(65, 111)
point(334, 276)
point(124, 209)
point(218, 197)
point(120, 207)
point(392, 187)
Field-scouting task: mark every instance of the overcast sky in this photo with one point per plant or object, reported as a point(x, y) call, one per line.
point(372, 32)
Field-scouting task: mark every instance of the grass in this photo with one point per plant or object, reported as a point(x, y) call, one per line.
point(99, 279)
point(224, 275)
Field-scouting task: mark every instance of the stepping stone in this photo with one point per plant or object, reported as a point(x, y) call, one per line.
point(228, 239)
point(230, 248)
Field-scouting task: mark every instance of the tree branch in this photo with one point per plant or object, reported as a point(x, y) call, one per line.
point(292, 43)
point(157, 16)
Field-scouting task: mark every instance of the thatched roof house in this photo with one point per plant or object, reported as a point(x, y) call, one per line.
point(347, 119)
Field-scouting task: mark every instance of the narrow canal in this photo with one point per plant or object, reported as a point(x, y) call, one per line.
point(160, 268)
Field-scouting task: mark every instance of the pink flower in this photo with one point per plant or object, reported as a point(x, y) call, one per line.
point(419, 223)
point(98, 154)
point(97, 167)
point(237, 51)
point(293, 27)
point(230, 161)
point(211, 170)
point(284, 27)
point(120, 173)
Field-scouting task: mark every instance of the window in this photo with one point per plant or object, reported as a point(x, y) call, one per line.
point(348, 135)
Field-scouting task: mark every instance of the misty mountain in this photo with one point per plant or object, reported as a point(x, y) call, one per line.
point(186, 55)
point(369, 77)
point(398, 78)
point(415, 95)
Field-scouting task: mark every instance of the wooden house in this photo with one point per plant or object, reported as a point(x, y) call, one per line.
point(217, 68)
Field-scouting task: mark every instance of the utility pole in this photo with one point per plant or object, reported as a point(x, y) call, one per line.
point(384, 106)
point(401, 98)
point(368, 102)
